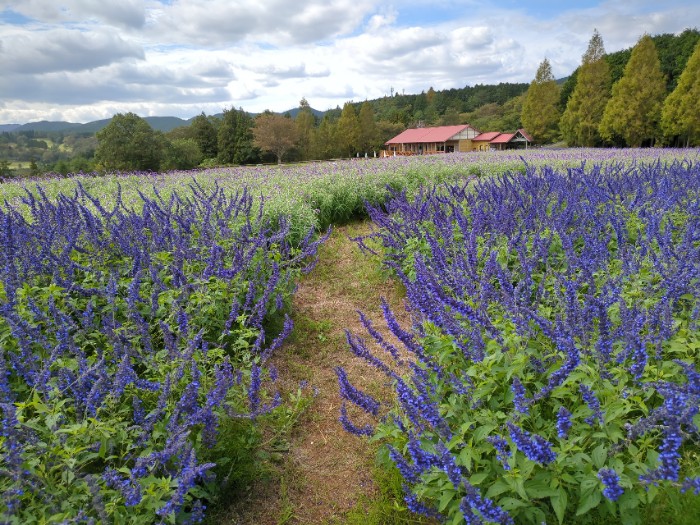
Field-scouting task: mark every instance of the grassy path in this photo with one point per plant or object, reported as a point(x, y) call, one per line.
point(322, 472)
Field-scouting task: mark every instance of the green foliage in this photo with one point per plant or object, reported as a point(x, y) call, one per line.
point(275, 133)
point(5, 170)
point(387, 507)
point(204, 134)
point(306, 122)
point(181, 154)
point(541, 114)
point(348, 131)
point(235, 138)
point(634, 110)
point(128, 143)
point(681, 112)
point(368, 139)
point(584, 110)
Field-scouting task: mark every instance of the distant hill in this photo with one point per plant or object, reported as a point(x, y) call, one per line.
point(47, 126)
point(163, 124)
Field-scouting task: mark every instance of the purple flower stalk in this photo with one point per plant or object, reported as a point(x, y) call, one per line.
point(611, 481)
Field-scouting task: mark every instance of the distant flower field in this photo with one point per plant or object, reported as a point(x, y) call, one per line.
point(136, 315)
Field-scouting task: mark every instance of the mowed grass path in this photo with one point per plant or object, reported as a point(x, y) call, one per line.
point(318, 473)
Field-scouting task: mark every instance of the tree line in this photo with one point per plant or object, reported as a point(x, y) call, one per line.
point(637, 97)
point(641, 102)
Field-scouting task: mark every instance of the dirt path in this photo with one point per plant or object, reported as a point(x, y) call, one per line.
point(325, 470)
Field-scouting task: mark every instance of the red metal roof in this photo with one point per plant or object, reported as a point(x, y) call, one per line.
point(525, 134)
point(487, 136)
point(427, 135)
point(503, 138)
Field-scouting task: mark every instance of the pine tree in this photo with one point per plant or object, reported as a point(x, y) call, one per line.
point(540, 115)
point(633, 113)
point(681, 112)
point(584, 110)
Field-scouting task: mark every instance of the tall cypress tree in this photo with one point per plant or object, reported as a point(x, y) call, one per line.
point(680, 118)
point(540, 115)
point(306, 122)
point(584, 111)
point(348, 130)
point(634, 110)
point(368, 133)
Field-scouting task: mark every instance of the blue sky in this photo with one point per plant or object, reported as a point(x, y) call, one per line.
point(81, 60)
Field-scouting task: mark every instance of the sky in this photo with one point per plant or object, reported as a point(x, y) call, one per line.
point(84, 60)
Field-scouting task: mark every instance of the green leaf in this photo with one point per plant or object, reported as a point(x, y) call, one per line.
point(477, 478)
point(588, 501)
point(559, 503)
point(599, 456)
point(509, 504)
point(538, 489)
point(445, 500)
point(480, 433)
point(499, 487)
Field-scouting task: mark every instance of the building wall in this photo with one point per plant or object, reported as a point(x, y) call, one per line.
point(466, 145)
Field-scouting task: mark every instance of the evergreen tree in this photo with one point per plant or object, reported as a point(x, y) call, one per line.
point(306, 122)
point(235, 138)
point(324, 144)
point(128, 143)
point(584, 110)
point(204, 134)
point(680, 117)
point(540, 116)
point(634, 110)
point(348, 131)
point(369, 135)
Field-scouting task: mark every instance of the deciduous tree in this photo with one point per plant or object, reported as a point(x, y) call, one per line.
point(680, 119)
point(128, 143)
point(584, 110)
point(275, 133)
point(634, 110)
point(541, 115)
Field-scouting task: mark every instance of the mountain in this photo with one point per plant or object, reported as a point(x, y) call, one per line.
point(45, 126)
point(163, 124)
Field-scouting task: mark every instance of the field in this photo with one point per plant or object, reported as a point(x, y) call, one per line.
point(547, 368)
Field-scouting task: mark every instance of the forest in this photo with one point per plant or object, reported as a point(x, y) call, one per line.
point(657, 78)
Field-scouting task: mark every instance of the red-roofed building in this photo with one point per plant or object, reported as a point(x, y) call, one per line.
point(446, 139)
point(482, 142)
point(441, 139)
point(494, 140)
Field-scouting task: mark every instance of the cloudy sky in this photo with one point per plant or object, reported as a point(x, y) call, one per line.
point(82, 60)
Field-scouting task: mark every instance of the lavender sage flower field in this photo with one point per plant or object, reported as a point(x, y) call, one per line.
point(554, 374)
point(128, 333)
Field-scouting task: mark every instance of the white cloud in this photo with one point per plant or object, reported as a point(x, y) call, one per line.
point(81, 59)
point(124, 13)
point(63, 50)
